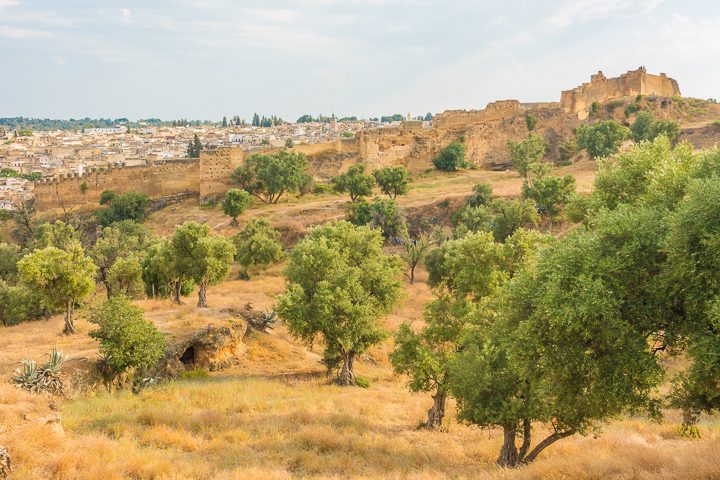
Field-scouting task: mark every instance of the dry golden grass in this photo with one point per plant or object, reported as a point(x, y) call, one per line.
point(276, 415)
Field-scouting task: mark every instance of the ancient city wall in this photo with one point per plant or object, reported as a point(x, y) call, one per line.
point(500, 110)
point(164, 179)
point(601, 89)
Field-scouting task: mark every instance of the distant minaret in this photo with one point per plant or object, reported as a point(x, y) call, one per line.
point(333, 123)
point(409, 117)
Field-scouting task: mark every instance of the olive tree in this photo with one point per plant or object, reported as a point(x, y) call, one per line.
point(258, 244)
point(269, 176)
point(204, 258)
point(393, 181)
point(463, 274)
point(527, 151)
point(234, 203)
point(64, 278)
point(339, 284)
point(355, 182)
point(116, 242)
point(451, 158)
point(567, 341)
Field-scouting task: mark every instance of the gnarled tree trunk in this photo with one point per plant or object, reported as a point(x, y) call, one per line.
point(437, 411)
point(508, 453)
point(202, 296)
point(69, 322)
point(347, 376)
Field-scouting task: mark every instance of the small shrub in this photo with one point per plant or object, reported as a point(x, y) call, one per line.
point(362, 382)
point(630, 109)
point(612, 105)
point(83, 187)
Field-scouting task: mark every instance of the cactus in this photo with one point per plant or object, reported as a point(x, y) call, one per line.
point(44, 378)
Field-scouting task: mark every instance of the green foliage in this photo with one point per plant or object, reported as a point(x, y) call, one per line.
point(577, 208)
point(355, 182)
point(289, 143)
point(125, 277)
point(258, 244)
point(549, 192)
point(393, 181)
point(234, 203)
point(348, 134)
point(383, 214)
point(124, 206)
point(269, 176)
point(464, 274)
point(63, 278)
point(481, 196)
point(601, 139)
point(339, 283)
point(528, 151)
point(530, 121)
point(159, 274)
point(19, 304)
point(502, 217)
point(57, 234)
point(194, 375)
point(612, 105)
point(630, 109)
point(120, 240)
point(9, 256)
point(451, 158)
point(647, 128)
point(201, 257)
point(106, 197)
point(127, 340)
point(594, 108)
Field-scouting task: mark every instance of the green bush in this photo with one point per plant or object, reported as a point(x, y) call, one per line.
point(601, 139)
point(127, 340)
point(451, 158)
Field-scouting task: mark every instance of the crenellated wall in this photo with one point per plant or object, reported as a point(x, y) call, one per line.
point(157, 180)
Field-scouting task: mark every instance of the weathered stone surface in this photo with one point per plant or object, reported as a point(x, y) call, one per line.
point(212, 348)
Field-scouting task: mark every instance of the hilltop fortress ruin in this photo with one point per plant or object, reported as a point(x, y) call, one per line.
point(630, 84)
point(484, 133)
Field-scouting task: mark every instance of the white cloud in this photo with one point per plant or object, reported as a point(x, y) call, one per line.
point(22, 33)
point(580, 11)
point(125, 14)
point(58, 59)
point(7, 3)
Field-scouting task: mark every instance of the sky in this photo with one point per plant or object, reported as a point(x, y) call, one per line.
point(204, 59)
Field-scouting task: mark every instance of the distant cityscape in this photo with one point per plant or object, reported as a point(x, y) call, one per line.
point(31, 149)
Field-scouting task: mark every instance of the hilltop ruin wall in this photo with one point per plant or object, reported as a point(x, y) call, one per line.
point(630, 84)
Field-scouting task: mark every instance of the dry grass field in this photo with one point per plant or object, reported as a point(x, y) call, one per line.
point(277, 416)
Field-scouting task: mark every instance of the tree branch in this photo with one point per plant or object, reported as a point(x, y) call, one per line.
point(546, 443)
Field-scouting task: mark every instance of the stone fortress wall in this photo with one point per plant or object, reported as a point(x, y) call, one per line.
point(635, 82)
point(485, 134)
point(161, 179)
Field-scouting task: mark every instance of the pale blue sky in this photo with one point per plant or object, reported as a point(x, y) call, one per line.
point(209, 58)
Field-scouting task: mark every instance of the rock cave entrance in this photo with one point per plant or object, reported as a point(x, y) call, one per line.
point(188, 356)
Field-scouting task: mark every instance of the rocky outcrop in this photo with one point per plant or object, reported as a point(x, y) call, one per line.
point(214, 347)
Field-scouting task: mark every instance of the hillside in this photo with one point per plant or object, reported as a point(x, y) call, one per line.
point(275, 415)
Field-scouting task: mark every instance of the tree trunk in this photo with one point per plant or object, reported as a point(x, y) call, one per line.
point(412, 274)
point(234, 222)
point(202, 296)
point(546, 443)
point(347, 376)
point(508, 453)
point(69, 323)
point(176, 292)
point(437, 411)
point(527, 439)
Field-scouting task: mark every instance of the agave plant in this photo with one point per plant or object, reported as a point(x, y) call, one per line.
point(45, 378)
